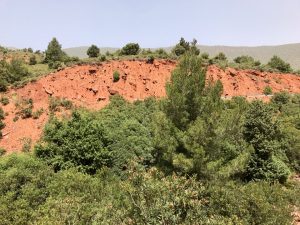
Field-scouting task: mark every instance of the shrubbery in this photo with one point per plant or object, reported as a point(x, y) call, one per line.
point(93, 51)
point(268, 90)
point(116, 76)
point(183, 47)
point(91, 143)
point(130, 49)
point(278, 64)
point(12, 72)
point(186, 159)
point(32, 60)
point(32, 193)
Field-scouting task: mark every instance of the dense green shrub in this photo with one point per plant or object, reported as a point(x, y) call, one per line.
point(11, 73)
point(23, 181)
point(55, 103)
point(263, 133)
point(79, 142)
point(246, 62)
point(90, 144)
point(205, 55)
point(32, 60)
point(32, 194)
point(130, 49)
point(24, 107)
point(189, 158)
point(55, 64)
point(161, 53)
point(268, 90)
point(93, 51)
point(183, 47)
point(278, 64)
point(36, 114)
point(280, 99)
point(116, 76)
point(4, 100)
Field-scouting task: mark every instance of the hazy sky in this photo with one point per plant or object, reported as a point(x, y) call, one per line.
point(151, 23)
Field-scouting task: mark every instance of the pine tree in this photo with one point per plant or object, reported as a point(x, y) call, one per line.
point(54, 52)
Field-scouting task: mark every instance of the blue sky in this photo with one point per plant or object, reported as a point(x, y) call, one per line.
point(151, 23)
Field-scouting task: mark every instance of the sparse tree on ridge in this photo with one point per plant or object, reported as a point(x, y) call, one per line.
point(183, 46)
point(280, 65)
point(130, 49)
point(93, 51)
point(54, 52)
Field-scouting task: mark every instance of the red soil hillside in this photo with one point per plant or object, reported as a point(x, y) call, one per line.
point(91, 85)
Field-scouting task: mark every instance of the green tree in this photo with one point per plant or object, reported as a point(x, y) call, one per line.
point(186, 91)
point(183, 46)
point(278, 64)
point(54, 52)
point(263, 133)
point(11, 73)
point(23, 187)
point(111, 138)
point(221, 57)
point(246, 61)
point(130, 49)
point(93, 51)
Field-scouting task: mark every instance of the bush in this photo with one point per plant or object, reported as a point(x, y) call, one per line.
point(246, 62)
point(90, 142)
point(12, 72)
point(3, 85)
point(55, 103)
point(2, 151)
point(281, 98)
point(55, 64)
point(37, 114)
point(102, 58)
point(4, 100)
point(268, 90)
point(161, 52)
point(205, 55)
point(116, 76)
point(27, 142)
point(32, 60)
point(263, 133)
point(26, 113)
point(130, 49)
point(23, 187)
point(150, 59)
point(25, 108)
point(1, 114)
point(183, 47)
point(221, 57)
point(278, 64)
point(93, 51)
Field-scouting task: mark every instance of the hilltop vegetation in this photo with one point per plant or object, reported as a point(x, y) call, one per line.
point(289, 52)
point(189, 158)
point(20, 66)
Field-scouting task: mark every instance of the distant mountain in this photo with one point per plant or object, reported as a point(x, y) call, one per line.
point(288, 52)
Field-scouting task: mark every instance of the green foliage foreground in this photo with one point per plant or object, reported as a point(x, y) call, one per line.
point(31, 193)
point(190, 158)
